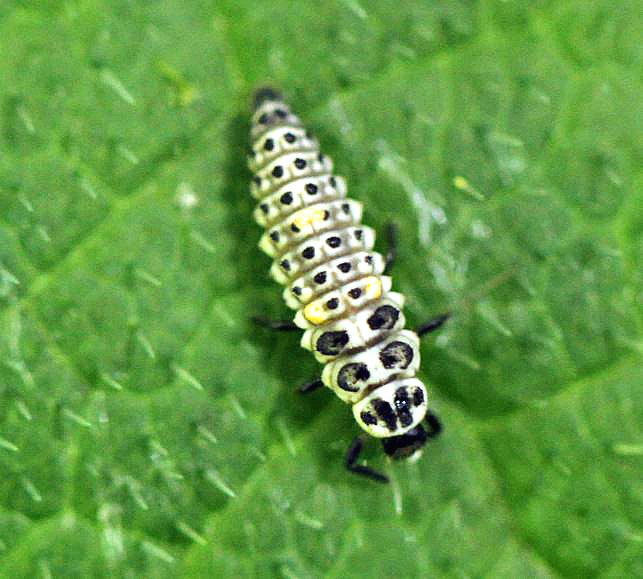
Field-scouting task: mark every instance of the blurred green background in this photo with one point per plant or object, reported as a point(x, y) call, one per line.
point(147, 429)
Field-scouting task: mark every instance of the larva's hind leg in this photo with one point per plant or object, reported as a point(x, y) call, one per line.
point(277, 325)
point(432, 325)
point(434, 425)
point(350, 460)
point(391, 246)
point(310, 386)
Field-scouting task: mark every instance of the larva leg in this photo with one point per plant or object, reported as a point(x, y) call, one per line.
point(432, 325)
point(310, 386)
point(352, 454)
point(434, 425)
point(391, 243)
point(277, 325)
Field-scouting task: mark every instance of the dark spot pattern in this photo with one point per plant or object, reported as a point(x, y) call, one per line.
point(286, 198)
point(383, 318)
point(278, 171)
point(326, 215)
point(396, 355)
point(351, 374)
point(369, 259)
point(403, 406)
point(346, 208)
point(332, 304)
point(355, 293)
point(418, 397)
point(256, 181)
point(264, 207)
point(333, 182)
point(281, 113)
point(308, 253)
point(344, 267)
point(296, 290)
point(290, 138)
point(285, 265)
point(332, 343)
point(274, 235)
point(333, 242)
point(358, 233)
point(263, 119)
point(269, 145)
point(311, 188)
point(294, 228)
point(320, 158)
point(368, 418)
point(385, 412)
point(300, 163)
point(320, 277)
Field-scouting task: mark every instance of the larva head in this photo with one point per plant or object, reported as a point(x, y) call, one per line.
point(264, 94)
point(408, 445)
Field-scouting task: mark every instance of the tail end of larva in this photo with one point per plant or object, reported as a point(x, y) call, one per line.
point(265, 94)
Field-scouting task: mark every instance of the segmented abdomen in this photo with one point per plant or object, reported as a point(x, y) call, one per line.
point(324, 256)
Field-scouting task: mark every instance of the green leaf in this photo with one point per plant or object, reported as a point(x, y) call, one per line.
point(147, 428)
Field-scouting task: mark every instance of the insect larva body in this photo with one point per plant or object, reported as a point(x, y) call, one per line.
point(352, 321)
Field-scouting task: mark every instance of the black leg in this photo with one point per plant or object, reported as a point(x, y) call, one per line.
point(277, 325)
point(352, 454)
point(310, 386)
point(391, 249)
point(434, 425)
point(432, 325)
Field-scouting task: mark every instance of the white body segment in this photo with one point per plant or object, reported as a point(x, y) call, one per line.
point(353, 322)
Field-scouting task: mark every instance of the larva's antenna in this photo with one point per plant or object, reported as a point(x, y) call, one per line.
point(264, 94)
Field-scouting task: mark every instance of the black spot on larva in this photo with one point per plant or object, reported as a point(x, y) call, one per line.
point(320, 278)
point(300, 163)
point(383, 318)
point(346, 208)
point(358, 234)
point(290, 138)
point(256, 181)
point(326, 215)
point(332, 304)
point(333, 241)
point(309, 134)
point(333, 182)
point(282, 114)
point(402, 405)
point(351, 374)
point(355, 293)
point(269, 145)
point(418, 396)
point(285, 265)
point(263, 119)
point(294, 228)
point(274, 235)
point(311, 188)
point(320, 158)
point(308, 253)
point(296, 290)
point(332, 343)
point(344, 267)
point(384, 410)
point(396, 355)
point(278, 171)
point(264, 207)
point(286, 198)
point(368, 418)
point(369, 259)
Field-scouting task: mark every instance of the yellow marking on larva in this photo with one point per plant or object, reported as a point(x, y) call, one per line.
point(372, 287)
point(308, 216)
point(315, 313)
